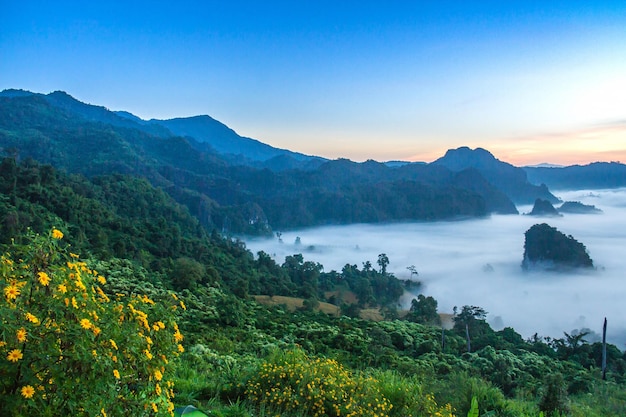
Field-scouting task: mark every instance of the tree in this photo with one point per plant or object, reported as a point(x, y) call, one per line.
point(469, 315)
point(423, 310)
point(413, 271)
point(383, 261)
point(472, 324)
point(305, 275)
point(186, 273)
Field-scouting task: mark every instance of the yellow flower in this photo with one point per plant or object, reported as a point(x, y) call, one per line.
point(44, 279)
point(15, 355)
point(73, 255)
point(21, 335)
point(183, 306)
point(116, 373)
point(113, 344)
point(157, 389)
point(181, 349)
point(57, 234)
point(158, 375)
point(85, 324)
point(62, 288)
point(32, 318)
point(27, 391)
point(11, 292)
point(104, 413)
point(148, 354)
point(102, 280)
point(155, 408)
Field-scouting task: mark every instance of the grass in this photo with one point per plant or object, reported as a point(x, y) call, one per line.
point(293, 303)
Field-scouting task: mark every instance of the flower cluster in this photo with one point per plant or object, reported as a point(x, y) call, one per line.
point(293, 382)
point(66, 345)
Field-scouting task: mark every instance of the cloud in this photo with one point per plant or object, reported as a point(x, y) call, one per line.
point(452, 259)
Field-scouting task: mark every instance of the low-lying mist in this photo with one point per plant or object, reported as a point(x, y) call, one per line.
point(477, 262)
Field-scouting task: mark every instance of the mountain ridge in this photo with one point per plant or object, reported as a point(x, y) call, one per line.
point(509, 179)
point(224, 195)
point(596, 175)
point(207, 133)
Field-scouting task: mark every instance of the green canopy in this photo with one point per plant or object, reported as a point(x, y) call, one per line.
point(188, 411)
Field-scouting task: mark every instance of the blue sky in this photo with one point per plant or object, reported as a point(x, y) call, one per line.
point(529, 81)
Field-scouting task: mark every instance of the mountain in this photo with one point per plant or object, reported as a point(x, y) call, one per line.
point(543, 208)
point(204, 132)
point(227, 195)
point(224, 140)
point(547, 248)
point(509, 179)
point(597, 175)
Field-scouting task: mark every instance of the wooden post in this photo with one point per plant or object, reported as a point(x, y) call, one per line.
point(604, 351)
point(469, 346)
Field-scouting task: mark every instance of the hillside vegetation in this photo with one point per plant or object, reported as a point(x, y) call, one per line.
point(130, 243)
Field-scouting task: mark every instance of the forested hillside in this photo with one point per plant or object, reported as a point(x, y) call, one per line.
point(74, 137)
point(78, 252)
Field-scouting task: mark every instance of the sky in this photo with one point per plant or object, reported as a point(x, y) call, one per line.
point(531, 81)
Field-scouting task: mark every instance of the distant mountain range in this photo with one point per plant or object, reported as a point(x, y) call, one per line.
point(596, 175)
point(241, 185)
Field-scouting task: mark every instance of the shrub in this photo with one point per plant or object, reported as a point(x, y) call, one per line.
point(407, 396)
point(554, 399)
point(291, 382)
point(67, 348)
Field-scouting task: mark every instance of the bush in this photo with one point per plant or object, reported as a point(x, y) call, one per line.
point(291, 382)
point(407, 396)
point(554, 400)
point(67, 348)
point(460, 388)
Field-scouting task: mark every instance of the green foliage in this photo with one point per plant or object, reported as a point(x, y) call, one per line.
point(186, 273)
point(126, 217)
point(408, 396)
point(473, 411)
point(371, 287)
point(460, 389)
point(66, 347)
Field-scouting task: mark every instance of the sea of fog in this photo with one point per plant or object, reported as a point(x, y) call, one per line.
point(477, 262)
